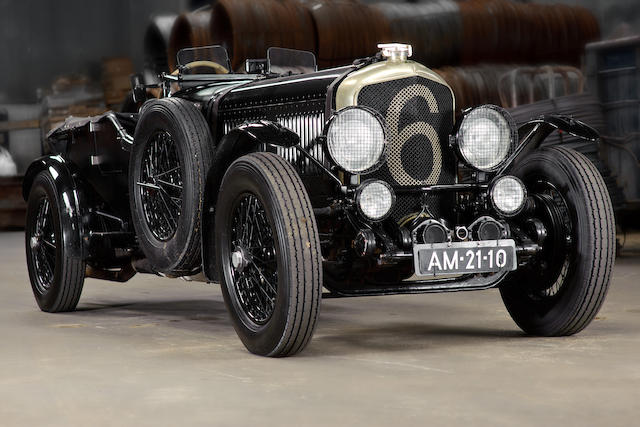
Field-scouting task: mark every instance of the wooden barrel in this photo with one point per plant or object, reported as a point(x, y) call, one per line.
point(502, 31)
point(432, 27)
point(189, 30)
point(479, 31)
point(247, 28)
point(156, 43)
point(347, 30)
point(588, 29)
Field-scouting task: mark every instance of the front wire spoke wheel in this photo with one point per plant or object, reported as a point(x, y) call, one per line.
point(564, 285)
point(553, 265)
point(255, 284)
point(268, 252)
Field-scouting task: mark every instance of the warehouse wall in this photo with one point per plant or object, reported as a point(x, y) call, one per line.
point(42, 38)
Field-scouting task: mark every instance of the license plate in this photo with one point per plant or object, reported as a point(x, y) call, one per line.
point(486, 256)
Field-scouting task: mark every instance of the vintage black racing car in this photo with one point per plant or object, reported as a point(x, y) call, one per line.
point(283, 180)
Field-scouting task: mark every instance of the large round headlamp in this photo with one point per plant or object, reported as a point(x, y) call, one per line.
point(356, 140)
point(486, 137)
point(375, 199)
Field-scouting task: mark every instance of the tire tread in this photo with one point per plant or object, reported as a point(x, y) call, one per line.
point(300, 245)
point(307, 298)
point(603, 223)
point(590, 289)
point(72, 270)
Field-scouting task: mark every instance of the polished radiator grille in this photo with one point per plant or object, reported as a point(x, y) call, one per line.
point(306, 120)
point(419, 116)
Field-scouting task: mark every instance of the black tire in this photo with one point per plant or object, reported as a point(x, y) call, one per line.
point(562, 291)
point(56, 276)
point(167, 222)
point(277, 194)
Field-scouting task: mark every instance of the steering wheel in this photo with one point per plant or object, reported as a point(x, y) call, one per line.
point(217, 68)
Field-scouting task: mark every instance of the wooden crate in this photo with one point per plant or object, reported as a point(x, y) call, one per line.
point(12, 207)
point(116, 82)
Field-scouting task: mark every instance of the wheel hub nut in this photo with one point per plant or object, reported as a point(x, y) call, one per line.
point(239, 259)
point(34, 241)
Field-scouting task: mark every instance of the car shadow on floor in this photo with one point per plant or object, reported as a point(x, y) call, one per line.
point(202, 315)
point(406, 336)
point(335, 335)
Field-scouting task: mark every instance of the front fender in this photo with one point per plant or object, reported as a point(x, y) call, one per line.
point(534, 132)
point(246, 138)
point(547, 124)
point(68, 195)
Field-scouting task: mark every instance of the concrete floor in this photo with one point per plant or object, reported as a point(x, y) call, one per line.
point(162, 352)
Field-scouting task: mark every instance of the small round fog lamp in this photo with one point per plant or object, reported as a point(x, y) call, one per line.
point(375, 199)
point(508, 195)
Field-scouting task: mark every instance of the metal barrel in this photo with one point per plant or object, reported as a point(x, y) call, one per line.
point(433, 28)
point(156, 43)
point(189, 30)
point(247, 28)
point(346, 30)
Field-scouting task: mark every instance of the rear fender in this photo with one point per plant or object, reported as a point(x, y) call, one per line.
point(69, 197)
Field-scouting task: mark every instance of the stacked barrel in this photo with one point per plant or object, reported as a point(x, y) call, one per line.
point(433, 28)
point(247, 28)
point(504, 30)
point(346, 30)
point(189, 30)
point(445, 34)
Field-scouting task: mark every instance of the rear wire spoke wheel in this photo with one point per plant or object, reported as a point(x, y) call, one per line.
point(42, 242)
point(562, 288)
point(56, 277)
point(268, 254)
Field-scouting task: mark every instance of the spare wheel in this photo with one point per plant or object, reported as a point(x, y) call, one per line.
point(170, 158)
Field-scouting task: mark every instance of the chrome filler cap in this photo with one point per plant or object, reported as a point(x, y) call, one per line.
point(396, 52)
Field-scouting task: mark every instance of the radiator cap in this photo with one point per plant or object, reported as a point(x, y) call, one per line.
point(396, 52)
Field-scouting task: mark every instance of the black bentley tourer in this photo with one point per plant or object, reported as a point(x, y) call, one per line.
point(284, 180)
